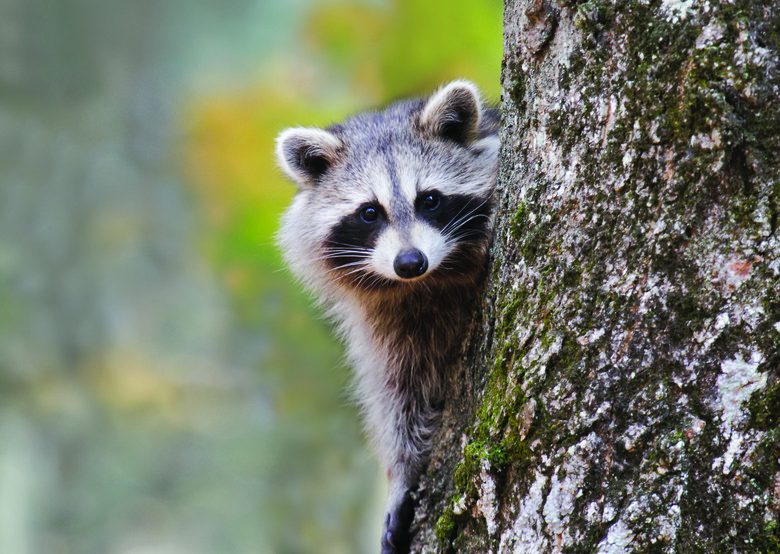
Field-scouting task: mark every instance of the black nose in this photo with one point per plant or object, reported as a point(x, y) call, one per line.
point(410, 264)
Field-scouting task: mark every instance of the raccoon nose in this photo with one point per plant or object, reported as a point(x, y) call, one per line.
point(411, 263)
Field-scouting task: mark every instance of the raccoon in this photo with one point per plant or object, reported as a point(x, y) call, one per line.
point(391, 227)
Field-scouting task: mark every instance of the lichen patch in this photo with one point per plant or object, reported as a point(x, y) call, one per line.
point(526, 534)
point(486, 503)
point(738, 380)
point(619, 540)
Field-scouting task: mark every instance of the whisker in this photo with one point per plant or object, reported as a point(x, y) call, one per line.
point(459, 221)
point(334, 255)
point(455, 225)
point(358, 264)
point(459, 233)
point(348, 245)
point(470, 233)
point(457, 215)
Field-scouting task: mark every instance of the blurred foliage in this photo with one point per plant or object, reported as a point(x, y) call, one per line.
point(409, 47)
point(164, 386)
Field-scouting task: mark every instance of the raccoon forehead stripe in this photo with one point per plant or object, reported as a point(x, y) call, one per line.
point(385, 179)
point(389, 161)
point(405, 192)
point(399, 213)
point(381, 188)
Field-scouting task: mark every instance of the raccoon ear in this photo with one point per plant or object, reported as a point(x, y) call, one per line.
point(306, 153)
point(453, 112)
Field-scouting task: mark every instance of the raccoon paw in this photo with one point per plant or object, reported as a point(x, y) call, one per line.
point(396, 538)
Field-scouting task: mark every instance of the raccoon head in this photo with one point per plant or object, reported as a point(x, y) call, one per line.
point(393, 198)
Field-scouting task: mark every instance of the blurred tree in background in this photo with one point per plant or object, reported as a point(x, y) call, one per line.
point(164, 387)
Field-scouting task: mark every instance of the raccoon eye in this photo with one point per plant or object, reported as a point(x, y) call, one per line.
point(430, 202)
point(369, 214)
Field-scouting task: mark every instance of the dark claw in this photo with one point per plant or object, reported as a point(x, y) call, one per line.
point(387, 544)
point(396, 538)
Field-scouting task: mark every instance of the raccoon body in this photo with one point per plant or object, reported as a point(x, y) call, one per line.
point(390, 228)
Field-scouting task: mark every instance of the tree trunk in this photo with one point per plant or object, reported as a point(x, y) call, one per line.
point(621, 391)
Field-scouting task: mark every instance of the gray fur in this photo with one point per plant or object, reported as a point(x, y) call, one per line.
point(401, 334)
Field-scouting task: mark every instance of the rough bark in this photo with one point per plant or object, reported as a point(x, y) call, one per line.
point(621, 390)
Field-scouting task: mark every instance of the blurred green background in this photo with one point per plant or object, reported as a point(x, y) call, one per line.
point(165, 387)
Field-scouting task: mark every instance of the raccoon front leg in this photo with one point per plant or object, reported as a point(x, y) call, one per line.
point(407, 433)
